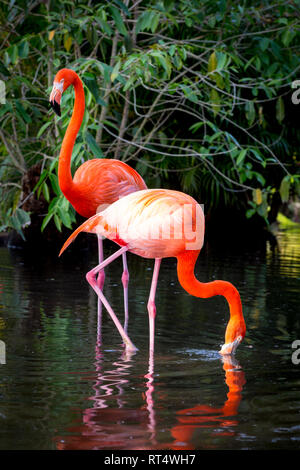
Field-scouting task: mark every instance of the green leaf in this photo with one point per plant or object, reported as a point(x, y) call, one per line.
point(20, 219)
point(129, 83)
point(189, 93)
point(115, 71)
point(250, 112)
point(13, 53)
point(280, 109)
point(46, 221)
point(212, 62)
point(143, 22)
point(43, 176)
point(23, 49)
point(221, 60)
point(93, 145)
point(196, 126)
point(287, 37)
point(46, 192)
point(55, 184)
point(91, 82)
point(155, 22)
point(68, 42)
point(241, 157)
point(5, 108)
point(123, 7)
point(65, 218)
point(250, 213)
point(104, 26)
point(284, 189)
point(263, 44)
point(57, 222)
point(21, 111)
point(215, 101)
point(118, 20)
point(43, 128)
point(163, 60)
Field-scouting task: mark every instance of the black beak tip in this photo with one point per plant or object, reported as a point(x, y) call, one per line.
point(56, 107)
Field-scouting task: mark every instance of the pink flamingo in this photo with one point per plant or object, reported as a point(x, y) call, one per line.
point(158, 223)
point(97, 182)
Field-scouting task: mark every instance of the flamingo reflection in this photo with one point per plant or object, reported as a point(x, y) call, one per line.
point(190, 420)
point(111, 424)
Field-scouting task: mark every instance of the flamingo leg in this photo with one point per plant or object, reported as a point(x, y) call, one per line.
point(151, 304)
point(100, 280)
point(125, 280)
point(101, 274)
point(91, 278)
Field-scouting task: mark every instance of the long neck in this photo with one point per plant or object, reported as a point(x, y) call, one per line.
point(64, 165)
point(186, 277)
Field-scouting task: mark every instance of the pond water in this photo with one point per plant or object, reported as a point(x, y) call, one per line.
point(65, 382)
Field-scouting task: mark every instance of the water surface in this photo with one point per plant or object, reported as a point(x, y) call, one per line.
point(67, 383)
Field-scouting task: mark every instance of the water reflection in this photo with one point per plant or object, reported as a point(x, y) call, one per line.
point(110, 424)
point(191, 420)
point(59, 390)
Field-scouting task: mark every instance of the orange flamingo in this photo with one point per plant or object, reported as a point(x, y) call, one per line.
point(158, 223)
point(97, 182)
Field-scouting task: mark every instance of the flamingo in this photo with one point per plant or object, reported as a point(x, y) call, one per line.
point(157, 224)
point(97, 182)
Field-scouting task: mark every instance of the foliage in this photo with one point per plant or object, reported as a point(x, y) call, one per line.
point(195, 95)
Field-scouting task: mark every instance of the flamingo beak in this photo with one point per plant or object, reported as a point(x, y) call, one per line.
point(55, 98)
point(230, 348)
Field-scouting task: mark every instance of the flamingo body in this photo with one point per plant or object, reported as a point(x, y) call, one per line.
point(153, 223)
point(160, 223)
point(100, 182)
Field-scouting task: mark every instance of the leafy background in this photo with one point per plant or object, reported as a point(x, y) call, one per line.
point(196, 95)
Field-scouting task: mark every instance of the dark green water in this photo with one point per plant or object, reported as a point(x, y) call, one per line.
point(60, 388)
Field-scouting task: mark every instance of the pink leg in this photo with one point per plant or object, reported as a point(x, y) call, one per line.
point(91, 278)
point(100, 283)
point(125, 280)
point(151, 304)
point(101, 274)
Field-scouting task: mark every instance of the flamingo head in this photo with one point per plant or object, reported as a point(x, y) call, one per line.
point(234, 335)
point(63, 79)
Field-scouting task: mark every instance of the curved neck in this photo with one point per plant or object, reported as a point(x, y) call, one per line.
point(186, 277)
point(64, 165)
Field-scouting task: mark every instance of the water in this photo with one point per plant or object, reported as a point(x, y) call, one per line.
point(63, 388)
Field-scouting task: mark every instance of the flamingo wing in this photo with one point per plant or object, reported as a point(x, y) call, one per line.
point(100, 182)
point(152, 223)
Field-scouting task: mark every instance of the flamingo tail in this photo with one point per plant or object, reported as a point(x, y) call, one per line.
point(88, 226)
